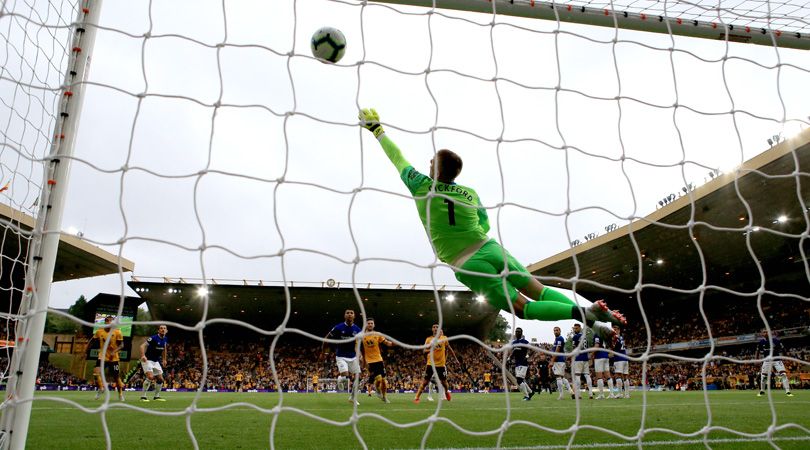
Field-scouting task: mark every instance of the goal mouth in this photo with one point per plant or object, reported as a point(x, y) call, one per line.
point(651, 154)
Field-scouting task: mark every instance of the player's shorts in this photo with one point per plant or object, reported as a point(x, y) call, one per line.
point(350, 365)
point(113, 367)
point(520, 371)
point(558, 369)
point(601, 365)
point(582, 367)
point(441, 372)
point(778, 366)
point(489, 259)
point(620, 367)
point(375, 369)
point(152, 367)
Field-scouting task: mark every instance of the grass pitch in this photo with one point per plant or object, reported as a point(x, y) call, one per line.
point(244, 420)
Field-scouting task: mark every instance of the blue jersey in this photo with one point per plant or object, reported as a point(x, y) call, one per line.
point(619, 348)
point(343, 331)
point(577, 338)
point(764, 349)
point(601, 353)
point(155, 346)
point(519, 353)
point(559, 347)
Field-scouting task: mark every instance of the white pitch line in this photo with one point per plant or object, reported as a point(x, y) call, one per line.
point(644, 443)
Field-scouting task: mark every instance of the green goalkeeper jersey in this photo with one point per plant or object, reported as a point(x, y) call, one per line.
point(456, 219)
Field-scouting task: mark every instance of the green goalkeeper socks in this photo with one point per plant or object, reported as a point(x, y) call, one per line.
point(549, 294)
point(547, 310)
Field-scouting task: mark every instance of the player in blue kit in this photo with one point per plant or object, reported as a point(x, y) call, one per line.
point(582, 362)
point(519, 358)
point(769, 365)
point(346, 354)
point(620, 365)
point(153, 352)
point(558, 367)
point(601, 365)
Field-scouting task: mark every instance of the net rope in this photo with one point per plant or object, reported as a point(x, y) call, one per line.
point(35, 38)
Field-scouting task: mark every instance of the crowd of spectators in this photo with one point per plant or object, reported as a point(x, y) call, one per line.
point(722, 315)
point(296, 363)
point(50, 374)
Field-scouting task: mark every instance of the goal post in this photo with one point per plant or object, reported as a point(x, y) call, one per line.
point(44, 244)
point(693, 19)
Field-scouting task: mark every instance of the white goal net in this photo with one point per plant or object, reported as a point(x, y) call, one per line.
point(212, 145)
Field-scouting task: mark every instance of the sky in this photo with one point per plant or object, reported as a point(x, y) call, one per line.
point(186, 189)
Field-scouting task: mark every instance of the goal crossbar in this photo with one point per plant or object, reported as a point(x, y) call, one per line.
point(743, 29)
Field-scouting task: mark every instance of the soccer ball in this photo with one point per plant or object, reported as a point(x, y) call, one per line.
point(328, 44)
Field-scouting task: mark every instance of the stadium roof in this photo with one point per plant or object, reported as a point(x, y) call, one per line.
point(75, 258)
point(657, 252)
point(405, 312)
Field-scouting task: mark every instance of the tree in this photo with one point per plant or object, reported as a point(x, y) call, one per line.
point(59, 324)
point(499, 328)
point(78, 309)
point(143, 330)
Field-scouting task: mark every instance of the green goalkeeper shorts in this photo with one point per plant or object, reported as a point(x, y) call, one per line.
point(489, 260)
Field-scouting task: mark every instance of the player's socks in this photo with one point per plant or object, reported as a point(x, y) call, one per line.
point(600, 388)
point(549, 294)
point(785, 383)
point(610, 386)
point(588, 384)
point(576, 386)
point(567, 384)
point(158, 387)
point(147, 383)
point(548, 311)
point(560, 387)
point(341, 382)
point(763, 382)
point(619, 387)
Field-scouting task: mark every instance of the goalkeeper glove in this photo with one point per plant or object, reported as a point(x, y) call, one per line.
point(370, 120)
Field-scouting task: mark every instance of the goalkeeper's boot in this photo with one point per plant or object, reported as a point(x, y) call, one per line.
point(600, 311)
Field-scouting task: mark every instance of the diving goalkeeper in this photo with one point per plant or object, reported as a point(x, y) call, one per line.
point(457, 226)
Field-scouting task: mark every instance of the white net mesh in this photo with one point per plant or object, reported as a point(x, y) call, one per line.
point(212, 144)
point(36, 52)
